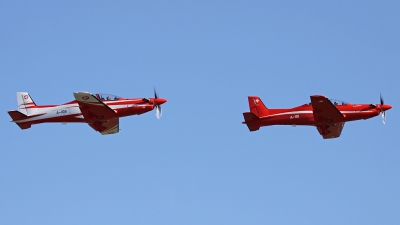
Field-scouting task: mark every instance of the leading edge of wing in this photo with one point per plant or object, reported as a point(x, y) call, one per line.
point(329, 120)
point(324, 111)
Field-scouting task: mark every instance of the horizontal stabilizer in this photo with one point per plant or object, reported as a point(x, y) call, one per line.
point(16, 115)
point(249, 119)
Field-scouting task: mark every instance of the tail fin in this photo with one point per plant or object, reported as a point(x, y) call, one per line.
point(25, 103)
point(257, 107)
point(249, 119)
point(16, 115)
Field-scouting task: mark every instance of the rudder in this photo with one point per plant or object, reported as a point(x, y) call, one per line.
point(25, 103)
point(257, 107)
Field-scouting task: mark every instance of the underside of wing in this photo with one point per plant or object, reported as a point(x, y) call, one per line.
point(92, 108)
point(106, 127)
point(331, 130)
point(328, 119)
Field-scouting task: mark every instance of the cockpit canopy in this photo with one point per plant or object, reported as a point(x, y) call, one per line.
point(336, 102)
point(107, 97)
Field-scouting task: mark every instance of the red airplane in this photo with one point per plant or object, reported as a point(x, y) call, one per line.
point(327, 115)
point(100, 111)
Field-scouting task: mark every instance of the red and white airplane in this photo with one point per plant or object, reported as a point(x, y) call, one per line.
point(100, 111)
point(327, 115)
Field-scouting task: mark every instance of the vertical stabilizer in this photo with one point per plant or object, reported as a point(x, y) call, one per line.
point(25, 104)
point(257, 107)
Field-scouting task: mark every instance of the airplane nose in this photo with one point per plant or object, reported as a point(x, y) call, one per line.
point(160, 101)
point(386, 107)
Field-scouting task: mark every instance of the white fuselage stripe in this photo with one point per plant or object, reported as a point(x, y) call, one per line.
point(311, 112)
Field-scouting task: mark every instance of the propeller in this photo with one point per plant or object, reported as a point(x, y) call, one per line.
point(382, 111)
point(158, 107)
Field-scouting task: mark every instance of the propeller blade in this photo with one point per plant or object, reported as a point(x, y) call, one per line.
point(158, 107)
point(384, 117)
point(158, 111)
point(382, 111)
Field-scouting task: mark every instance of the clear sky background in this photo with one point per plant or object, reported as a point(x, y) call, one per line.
point(199, 164)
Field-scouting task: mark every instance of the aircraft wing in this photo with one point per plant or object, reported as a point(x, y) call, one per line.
point(92, 108)
point(331, 130)
point(329, 120)
point(110, 126)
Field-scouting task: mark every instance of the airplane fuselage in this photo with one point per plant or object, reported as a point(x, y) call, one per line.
point(71, 112)
point(303, 115)
point(328, 116)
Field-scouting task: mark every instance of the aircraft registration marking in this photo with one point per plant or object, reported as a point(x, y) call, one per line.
point(64, 111)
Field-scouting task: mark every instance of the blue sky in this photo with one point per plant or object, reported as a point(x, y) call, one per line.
point(199, 164)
